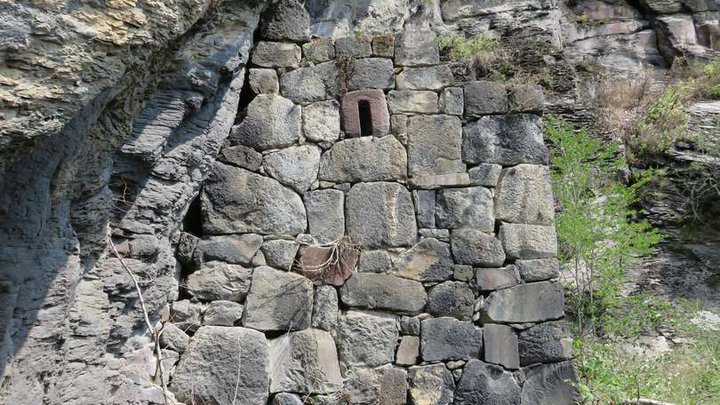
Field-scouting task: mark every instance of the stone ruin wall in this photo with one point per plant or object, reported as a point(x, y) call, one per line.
point(374, 231)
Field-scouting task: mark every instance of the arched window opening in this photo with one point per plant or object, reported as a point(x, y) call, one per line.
point(365, 115)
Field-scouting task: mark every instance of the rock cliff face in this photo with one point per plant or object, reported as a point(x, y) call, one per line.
point(114, 116)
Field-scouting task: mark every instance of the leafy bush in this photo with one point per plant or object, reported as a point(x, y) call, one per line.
point(599, 233)
point(485, 47)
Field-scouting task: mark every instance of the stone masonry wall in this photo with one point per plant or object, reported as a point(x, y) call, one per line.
point(374, 232)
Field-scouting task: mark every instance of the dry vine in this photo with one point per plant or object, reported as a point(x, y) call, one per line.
point(154, 333)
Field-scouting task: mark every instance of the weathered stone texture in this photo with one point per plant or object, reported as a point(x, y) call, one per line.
point(447, 338)
point(476, 248)
point(483, 383)
point(223, 313)
point(524, 195)
point(216, 358)
point(482, 98)
point(533, 302)
point(431, 385)
point(551, 384)
point(295, 167)
point(434, 144)
point(372, 73)
point(428, 260)
point(451, 298)
point(505, 140)
point(235, 249)
point(315, 83)
point(380, 215)
point(425, 78)
point(367, 339)
point(528, 241)
point(276, 54)
point(383, 291)
point(321, 121)
point(271, 122)
point(470, 207)
point(326, 214)
point(278, 301)
point(219, 281)
point(547, 342)
point(501, 345)
point(416, 48)
point(364, 159)
point(236, 200)
point(412, 101)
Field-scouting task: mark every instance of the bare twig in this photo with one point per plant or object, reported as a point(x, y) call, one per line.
point(154, 333)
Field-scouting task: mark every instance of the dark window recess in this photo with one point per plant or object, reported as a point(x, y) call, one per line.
point(365, 115)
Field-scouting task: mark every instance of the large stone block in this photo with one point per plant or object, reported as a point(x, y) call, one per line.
point(264, 81)
point(428, 260)
point(483, 98)
point(223, 313)
point(304, 362)
point(425, 206)
point(374, 261)
point(386, 385)
point(547, 342)
point(219, 281)
point(383, 291)
point(434, 145)
point(280, 253)
point(241, 156)
point(551, 384)
point(364, 159)
point(319, 50)
point(452, 101)
point(235, 249)
point(408, 351)
point(235, 200)
point(308, 84)
point(276, 54)
point(444, 339)
point(431, 385)
point(524, 195)
point(483, 383)
point(365, 112)
point(506, 140)
point(325, 308)
point(470, 207)
point(224, 365)
point(489, 279)
point(353, 46)
point(485, 174)
point(451, 298)
point(278, 301)
point(295, 167)
point(528, 241)
point(271, 122)
point(372, 73)
point(476, 248)
point(416, 47)
point(287, 21)
point(538, 269)
point(326, 214)
point(526, 98)
point(532, 302)
point(501, 345)
point(412, 101)
point(380, 215)
point(367, 339)
point(321, 121)
point(425, 78)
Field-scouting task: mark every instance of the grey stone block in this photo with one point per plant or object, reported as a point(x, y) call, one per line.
point(416, 47)
point(489, 279)
point(447, 338)
point(524, 195)
point(219, 281)
point(374, 261)
point(551, 384)
point(538, 269)
point(372, 73)
point(278, 301)
point(223, 313)
point(528, 241)
point(280, 253)
point(483, 383)
point(271, 122)
point(412, 101)
point(434, 145)
point(276, 54)
point(504, 140)
point(354, 46)
point(367, 339)
point(325, 308)
point(501, 346)
point(526, 98)
point(428, 260)
point(425, 78)
point(547, 342)
point(364, 159)
point(308, 84)
point(425, 203)
point(264, 81)
point(326, 214)
point(470, 207)
point(216, 358)
point(431, 385)
point(533, 302)
point(451, 298)
point(295, 167)
point(408, 352)
point(234, 249)
point(483, 98)
point(476, 248)
point(485, 174)
point(321, 121)
point(380, 215)
point(383, 291)
point(287, 21)
point(452, 101)
point(319, 50)
point(241, 156)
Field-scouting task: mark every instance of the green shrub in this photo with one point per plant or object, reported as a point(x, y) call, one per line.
point(484, 47)
point(662, 124)
point(599, 233)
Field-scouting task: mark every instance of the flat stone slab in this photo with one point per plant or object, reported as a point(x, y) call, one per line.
point(271, 122)
point(501, 346)
point(304, 362)
point(551, 384)
point(295, 167)
point(431, 385)
point(235, 200)
point(223, 313)
point(220, 281)
point(443, 339)
point(278, 301)
point(489, 279)
point(380, 215)
point(383, 291)
point(484, 97)
point(532, 302)
point(547, 342)
point(326, 214)
point(308, 84)
point(506, 140)
point(224, 365)
point(434, 145)
point(524, 195)
point(476, 248)
point(367, 339)
point(428, 260)
point(276, 54)
point(468, 207)
point(372, 73)
point(363, 160)
point(235, 249)
point(451, 298)
point(321, 121)
point(425, 78)
point(528, 241)
point(483, 383)
point(412, 101)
